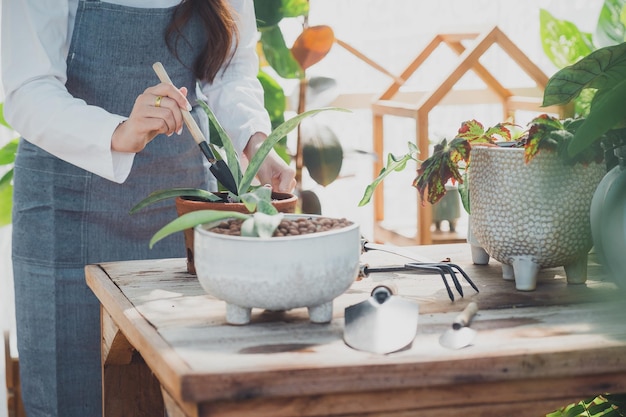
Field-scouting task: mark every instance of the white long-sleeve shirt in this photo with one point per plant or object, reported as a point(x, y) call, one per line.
point(36, 35)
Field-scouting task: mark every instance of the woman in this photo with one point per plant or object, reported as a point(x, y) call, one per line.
point(99, 134)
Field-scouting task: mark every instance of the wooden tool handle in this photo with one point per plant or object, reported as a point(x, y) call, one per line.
point(465, 317)
point(197, 134)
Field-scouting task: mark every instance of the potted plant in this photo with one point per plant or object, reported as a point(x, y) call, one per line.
point(529, 198)
point(290, 260)
point(602, 74)
point(249, 198)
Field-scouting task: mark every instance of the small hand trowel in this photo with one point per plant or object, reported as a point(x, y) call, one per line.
point(460, 335)
point(218, 167)
point(383, 323)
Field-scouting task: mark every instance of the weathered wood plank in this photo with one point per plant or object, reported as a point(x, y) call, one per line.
point(538, 397)
point(281, 361)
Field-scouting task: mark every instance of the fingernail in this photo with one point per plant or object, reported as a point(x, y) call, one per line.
point(180, 131)
point(189, 107)
point(169, 134)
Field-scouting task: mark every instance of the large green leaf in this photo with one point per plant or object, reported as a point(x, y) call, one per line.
point(268, 13)
point(192, 219)
point(232, 159)
point(3, 121)
point(322, 153)
point(274, 97)
point(607, 111)
point(295, 8)
point(610, 29)
point(161, 195)
point(276, 135)
point(278, 55)
point(602, 69)
point(7, 152)
point(562, 41)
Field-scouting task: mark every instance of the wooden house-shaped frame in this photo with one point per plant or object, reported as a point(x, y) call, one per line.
point(468, 59)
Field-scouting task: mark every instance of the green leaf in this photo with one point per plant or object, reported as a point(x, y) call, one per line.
point(276, 135)
point(393, 164)
point(562, 41)
point(295, 8)
point(274, 98)
point(3, 121)
point(6, 198)
point(602, 69)
point(610, 29)
point(268, 13)
point(261, 225)
point(278, 55)
point(463, 188)
point(607, 111)
point(232, 159)
point(254, 201)
point(8, 151)
point(322, 153)
point(192, 219)
point(575, 411)
point(161, 195)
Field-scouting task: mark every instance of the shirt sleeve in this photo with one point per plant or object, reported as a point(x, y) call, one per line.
point(236, 95)
point(35, 40)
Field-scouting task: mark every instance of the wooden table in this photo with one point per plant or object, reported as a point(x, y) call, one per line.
point(165, 344)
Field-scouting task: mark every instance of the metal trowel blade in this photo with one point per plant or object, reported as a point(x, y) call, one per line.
point(460, 336)
point(381, 324)
point(457, 339)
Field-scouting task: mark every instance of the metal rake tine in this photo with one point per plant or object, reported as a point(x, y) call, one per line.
point(455, 280)
point(467, 278)
point(429, 267)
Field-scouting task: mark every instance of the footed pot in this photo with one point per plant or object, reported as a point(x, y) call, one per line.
point(278, 273)
point(532, 216)
point(284, 203)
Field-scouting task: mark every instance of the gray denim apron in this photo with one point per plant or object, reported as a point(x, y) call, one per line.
point(65, 217)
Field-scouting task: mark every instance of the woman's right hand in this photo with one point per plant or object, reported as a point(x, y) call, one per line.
point(156, 111)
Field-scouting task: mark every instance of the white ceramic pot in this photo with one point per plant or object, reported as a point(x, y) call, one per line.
point(278, 273)
point(532, 216)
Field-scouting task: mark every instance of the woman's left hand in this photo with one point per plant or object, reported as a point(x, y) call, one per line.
point(274, 170)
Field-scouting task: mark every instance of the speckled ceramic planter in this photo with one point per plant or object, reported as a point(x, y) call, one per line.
point(278, 273)
point(532, 216)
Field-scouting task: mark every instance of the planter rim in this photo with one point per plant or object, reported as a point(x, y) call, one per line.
point(283, 197)
point(203, 229)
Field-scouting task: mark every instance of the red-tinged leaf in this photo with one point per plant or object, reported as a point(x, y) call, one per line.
point(474, 132)
point(459, 150)
point(438, 169)
point(532, 140)
point(313, 45)
point(471, 130)
point(500, 132)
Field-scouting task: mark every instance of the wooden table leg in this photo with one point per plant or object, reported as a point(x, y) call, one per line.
point(128, 386)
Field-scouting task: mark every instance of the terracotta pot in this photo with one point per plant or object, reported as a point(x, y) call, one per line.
point(284, 203)
point(532, 216)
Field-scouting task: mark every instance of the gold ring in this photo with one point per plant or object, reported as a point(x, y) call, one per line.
point(157, 103)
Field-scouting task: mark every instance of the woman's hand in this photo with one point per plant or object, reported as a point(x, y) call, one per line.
point(156, 111)
point(274, 170)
